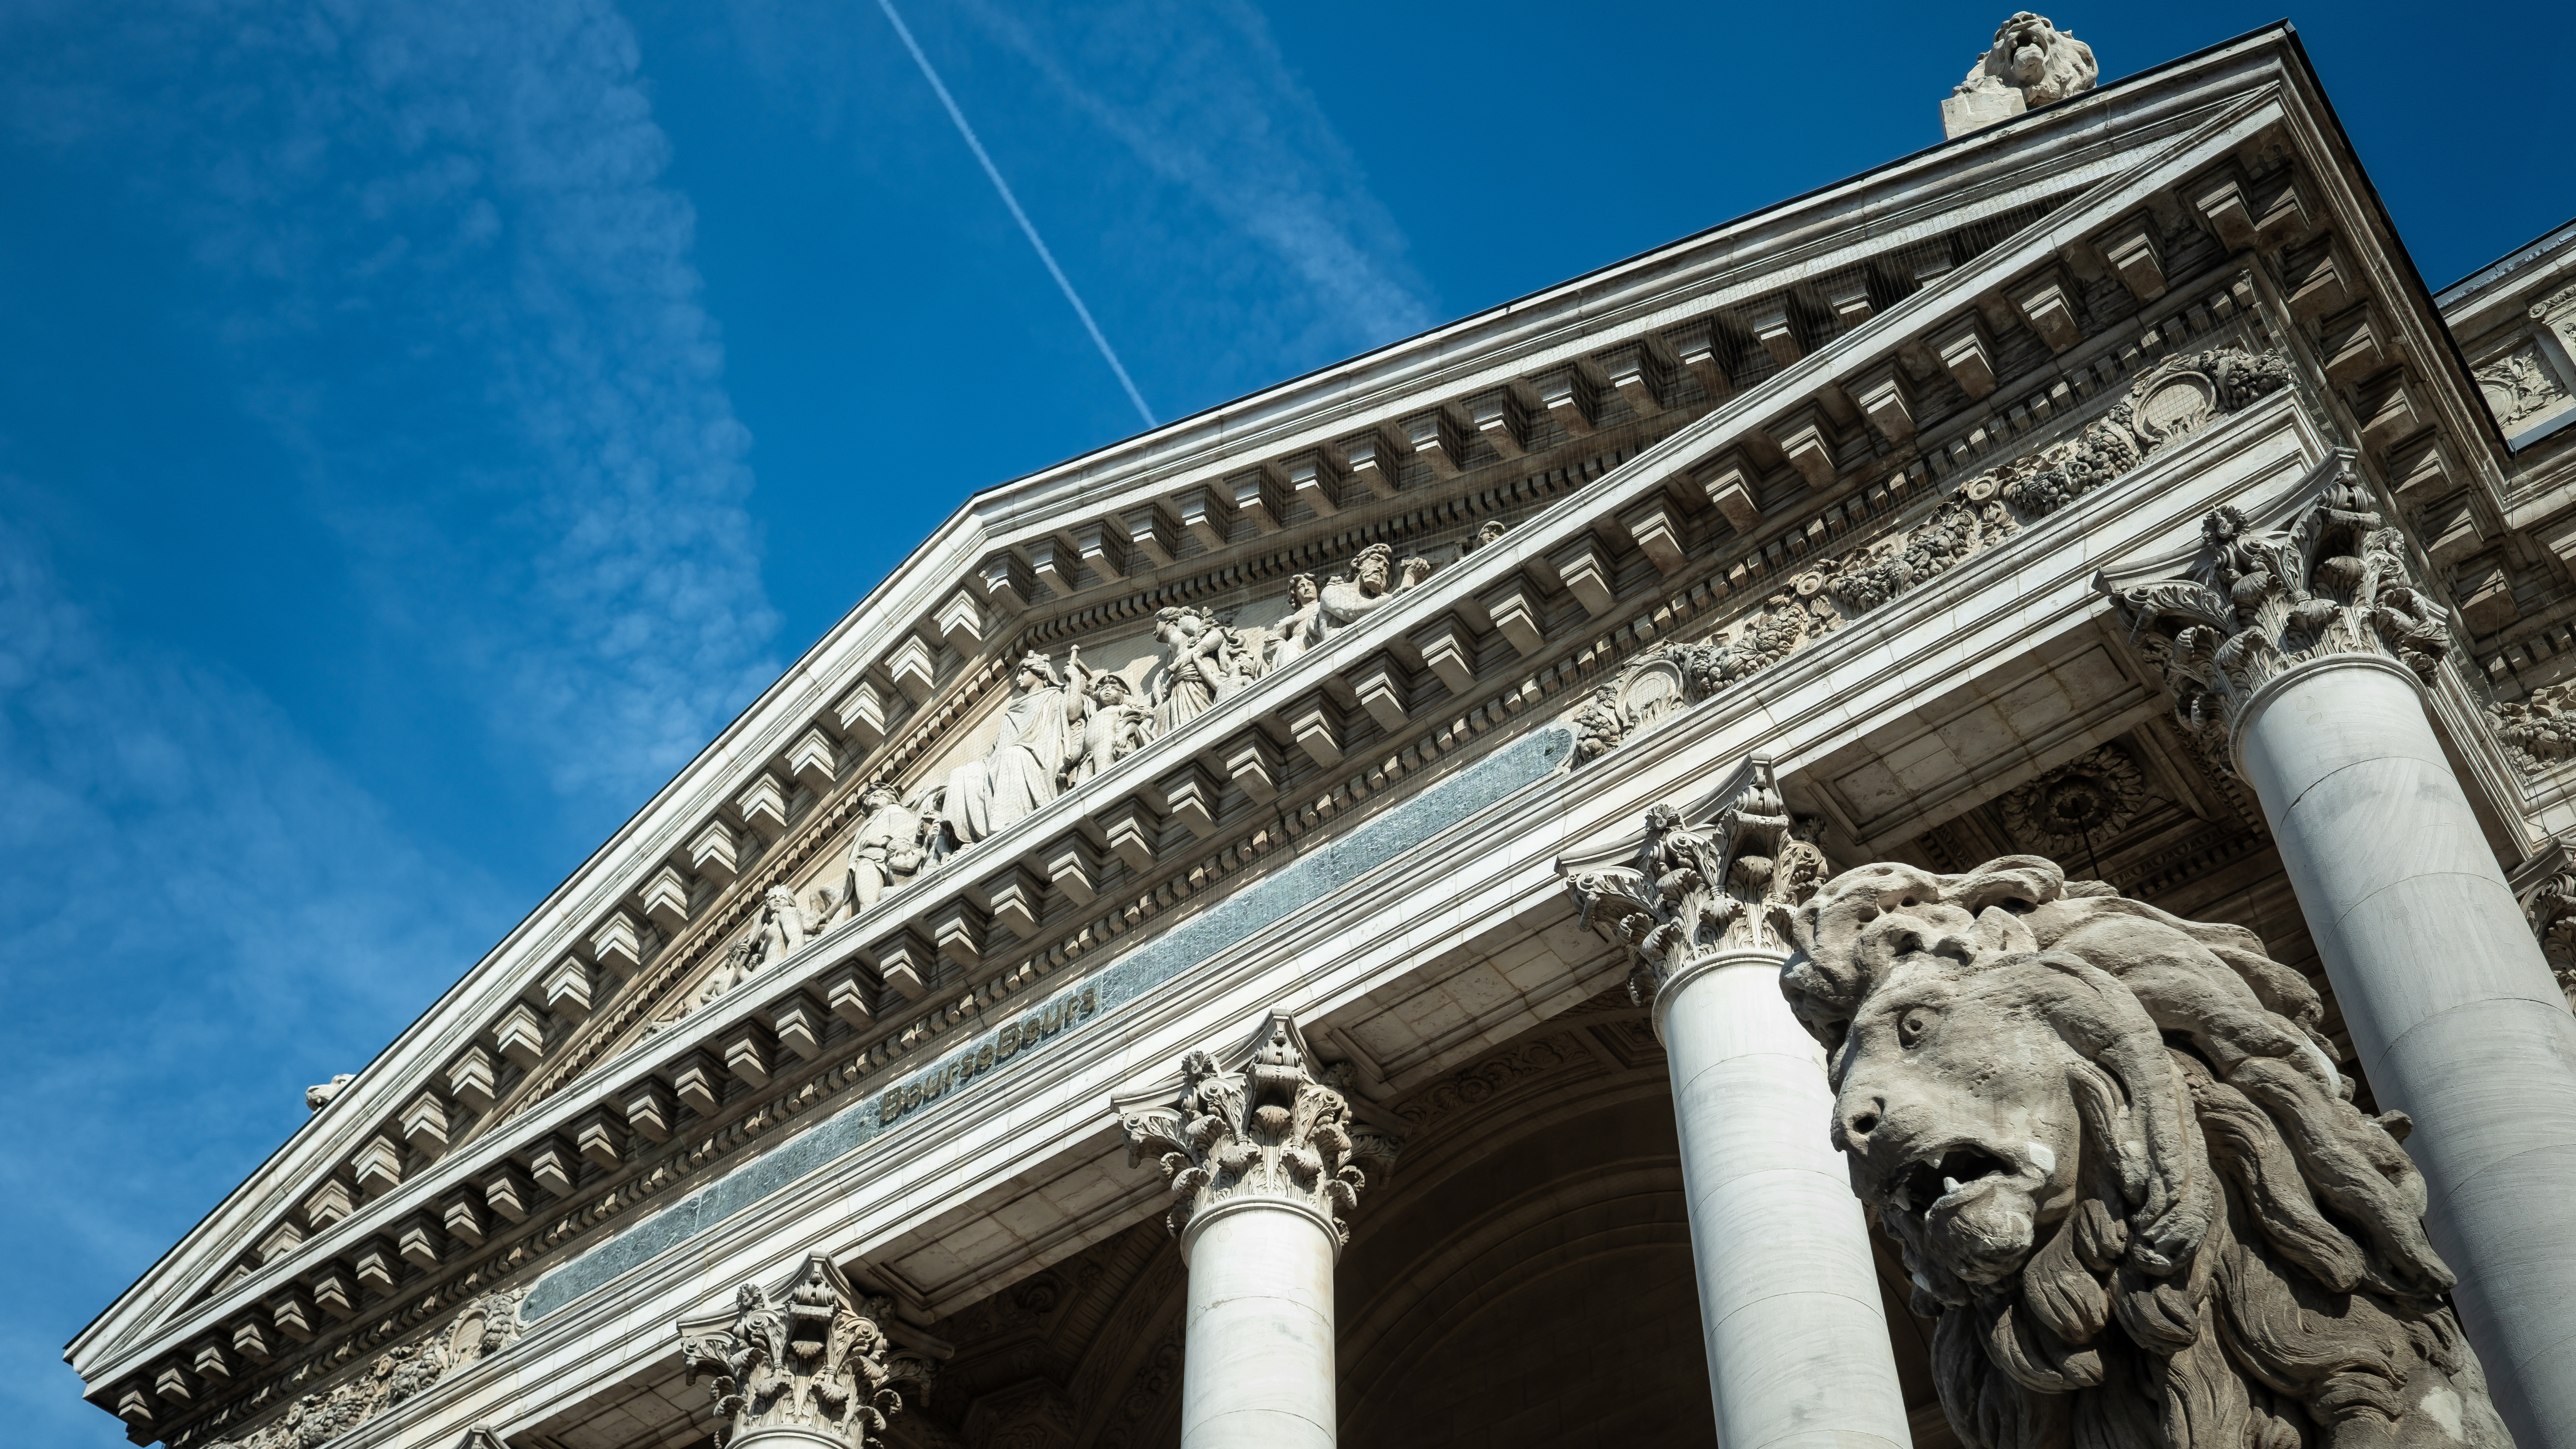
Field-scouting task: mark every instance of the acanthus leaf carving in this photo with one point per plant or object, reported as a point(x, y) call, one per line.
point(2330, 579)
point(818, 1365)
point(1269, 1127)
point(1687, 892)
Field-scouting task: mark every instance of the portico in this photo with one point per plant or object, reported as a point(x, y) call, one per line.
point(1277, 935)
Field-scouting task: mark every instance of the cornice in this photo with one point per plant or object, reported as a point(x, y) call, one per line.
point(1507, 696)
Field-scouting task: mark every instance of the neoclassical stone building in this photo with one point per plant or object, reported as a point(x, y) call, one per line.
point(1871, 827)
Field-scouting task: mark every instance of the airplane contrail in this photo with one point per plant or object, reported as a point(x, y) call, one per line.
point(931, 74)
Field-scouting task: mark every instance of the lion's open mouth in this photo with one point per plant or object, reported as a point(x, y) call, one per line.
point(1933, 1181)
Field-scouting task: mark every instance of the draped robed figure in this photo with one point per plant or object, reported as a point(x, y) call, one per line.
point(1027, 759)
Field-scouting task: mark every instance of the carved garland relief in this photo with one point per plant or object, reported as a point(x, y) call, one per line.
point(2178, 397)
point(488, 1325)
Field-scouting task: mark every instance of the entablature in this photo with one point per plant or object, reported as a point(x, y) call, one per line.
point(1858, 402)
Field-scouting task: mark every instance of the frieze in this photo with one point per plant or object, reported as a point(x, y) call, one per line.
point(487, 1326)
point(1012, 1040)
point(2178, 397)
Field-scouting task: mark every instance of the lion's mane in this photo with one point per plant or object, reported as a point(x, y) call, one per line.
point(2246, 1263)
point(2036, 58)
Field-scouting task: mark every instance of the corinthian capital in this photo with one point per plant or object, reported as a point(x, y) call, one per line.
point(2314, 574)
point(1265, 1124)
point(1694, 890)
point(806, 1362)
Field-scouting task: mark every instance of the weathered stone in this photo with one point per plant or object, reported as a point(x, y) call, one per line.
point(2125, 1172)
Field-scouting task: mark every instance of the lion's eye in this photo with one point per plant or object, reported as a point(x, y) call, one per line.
point(1913, 1024)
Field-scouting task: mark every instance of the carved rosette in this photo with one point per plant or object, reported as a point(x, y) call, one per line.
point(2254, 601)
point(1689, 893)
point(817, 1366)
point(1267, 1127)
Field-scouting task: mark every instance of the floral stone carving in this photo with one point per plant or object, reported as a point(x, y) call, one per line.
point(1266, 1127)
point(2328, 579)
point(2540, 731)
point(2089, 798)
point(2177, 397)
point(487, 1325)
point(1691, 892)
point(1672, 677)
point(2125, 1173)
point(2549, 903)
point(818, 1366)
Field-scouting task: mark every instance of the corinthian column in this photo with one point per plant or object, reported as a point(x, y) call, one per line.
point(806, 1365)
point(1259, 1153)
point(2298, 645)
point(1797, 1339)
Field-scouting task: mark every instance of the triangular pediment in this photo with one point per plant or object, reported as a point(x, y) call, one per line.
point(1720, 445)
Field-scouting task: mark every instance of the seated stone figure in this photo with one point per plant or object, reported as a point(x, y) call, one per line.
point(1025, 766)
point(2125, 1173)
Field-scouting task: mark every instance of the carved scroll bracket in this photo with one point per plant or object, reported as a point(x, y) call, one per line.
point(2313, 575)
point(812, 1361)
point(1723, 880)
point(1268, 1123)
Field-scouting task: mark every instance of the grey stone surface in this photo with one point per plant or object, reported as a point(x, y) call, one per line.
point(2454, 1014)
point(2125, 1173)
point(1333, 863)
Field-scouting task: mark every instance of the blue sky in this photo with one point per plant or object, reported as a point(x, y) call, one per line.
point(423, 423)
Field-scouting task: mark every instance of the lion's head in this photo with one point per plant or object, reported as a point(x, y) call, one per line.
point(2125, 1172)
point(2035, 58)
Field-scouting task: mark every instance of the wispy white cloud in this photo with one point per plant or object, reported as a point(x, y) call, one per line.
point(463, 293)
point(1201, 93)
point(201, 915)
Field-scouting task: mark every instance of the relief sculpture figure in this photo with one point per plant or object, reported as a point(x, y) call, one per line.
point(1115, 725)
point(1291, 636)
point(2125, 1173)
point(1026, 762)
point(1198, 666)
point(1375, 579)
point(887, 852)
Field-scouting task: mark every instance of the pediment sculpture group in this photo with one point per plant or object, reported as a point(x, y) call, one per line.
point(1061, 727)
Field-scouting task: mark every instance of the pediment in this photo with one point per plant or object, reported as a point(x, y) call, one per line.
point(1677, 453)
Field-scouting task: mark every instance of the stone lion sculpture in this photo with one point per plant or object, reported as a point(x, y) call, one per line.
point(2035, 58)
point(2125, 1173)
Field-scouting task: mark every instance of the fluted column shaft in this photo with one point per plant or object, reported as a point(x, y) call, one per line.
point(1798, 1349)
point(2453, 1013)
